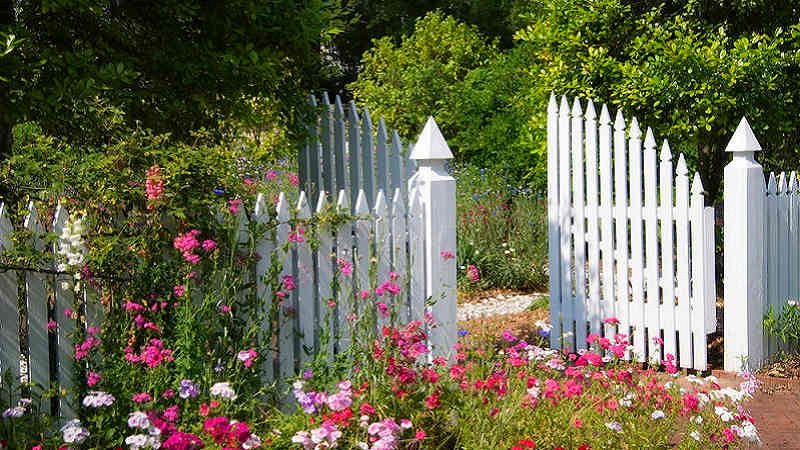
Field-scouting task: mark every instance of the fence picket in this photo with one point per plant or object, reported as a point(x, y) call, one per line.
point(621, 224)
point(683, 315)
point(606, 220)
point(782, 237)
point(400, 250)
point(592, 234)
point(553, 236)
point(579, 237)
point(367, 150)
point(325, 271)
point(383, 249)
point(287, 311)
point(9, 311)
point(416, 242)
point(362, 254)
point(651, 243)
point(565, 220)
point(396, 164)
point(37, 305)
point(265, 247)
point(637, 311)
point(667, 251)
point(354, 152)
point(382, 158)
point(698, 307)
point(340, 158)
point(794, 250)
point(64, 298)
point(328, 176)
point(307, 306)
point(344, 259)
point(314, 184)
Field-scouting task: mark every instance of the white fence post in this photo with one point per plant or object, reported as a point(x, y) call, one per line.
point(744, 192)
point(437, 191)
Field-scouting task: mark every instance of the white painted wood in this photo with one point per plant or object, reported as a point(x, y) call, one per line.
point(314, 183)
point(307, 306)
point(382, 159)
point(367, 150)
point(344, 259)
point(743, 254)
point(9, 311)
point(363, 254)
point(416, 245)
point(36, 300)
point(621, 224)
point(653, 306)
point(354, 151)
point(553, 224)
point(794, 235)
point(606, 221)
point(667, 252)
point(287, 312)
point(400, 252)
point(383, 251)
point(64, 298)
point(708, 263)
point(593, 232)
point(328, 175)
point(683, 316)
point(265, 248)
point(579, 236)
point(396, 164)
point(326, 260)
point(437, 190)
point(565, 223)
point(782, 238)
point(771, 247)
point(698, 307)
point(637, 311)
point(340, 158)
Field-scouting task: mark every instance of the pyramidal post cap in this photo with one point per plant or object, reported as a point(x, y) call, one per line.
point(431, 144)
point(743, 139)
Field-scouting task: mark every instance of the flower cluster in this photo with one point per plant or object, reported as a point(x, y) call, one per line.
point(72, 250)
point(187, 243)
point(154, 186)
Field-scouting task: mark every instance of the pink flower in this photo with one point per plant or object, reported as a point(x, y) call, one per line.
point(224, 308)
point(419, 435)
point(92, 378)
point(288, 282)
point(447, 254)
point(364, 295)
point(154, 184)
point(209, 245)
point(141, 397)
point(69, 313)
point(293, 179)
point(298, 235)
point(179, 290)
point(247, 357)
point(345, 267)
point(611, 321)
point(657, 340)
point(473, 274)
point(234, 205)
point(51, 325)
point(248, 182)
point(272, 174)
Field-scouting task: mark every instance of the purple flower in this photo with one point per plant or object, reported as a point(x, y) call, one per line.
point(463, 332)
point(188, 389)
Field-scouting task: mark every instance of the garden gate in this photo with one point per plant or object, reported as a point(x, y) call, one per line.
point(629, 241)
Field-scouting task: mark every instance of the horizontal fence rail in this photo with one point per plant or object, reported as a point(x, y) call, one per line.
point(631, 242)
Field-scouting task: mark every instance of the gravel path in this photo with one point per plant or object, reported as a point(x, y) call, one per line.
point(501, 304)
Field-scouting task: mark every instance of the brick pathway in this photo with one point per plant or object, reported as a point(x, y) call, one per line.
point(777, 413)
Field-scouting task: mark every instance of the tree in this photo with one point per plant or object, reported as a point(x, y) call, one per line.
point(87, 70)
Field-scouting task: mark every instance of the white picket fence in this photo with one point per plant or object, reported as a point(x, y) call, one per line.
point(346, 152)
point(762, 250)
point(408, 234)
point(626, 239)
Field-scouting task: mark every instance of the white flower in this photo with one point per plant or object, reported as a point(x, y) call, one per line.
point(542, 325)
point(792, 302)
point(723, 413)
point(747, 431)
point(223, 390)
point(140, 441)
point(697, 419)
point(534, 392)
point(252, 442)
point(73, 433)
point(695, 435)
point(96, 399)
point(138, 419)
point(14, 412)
point(615, 426)
point(712, 379)
point(695, 379)
point(657, 414)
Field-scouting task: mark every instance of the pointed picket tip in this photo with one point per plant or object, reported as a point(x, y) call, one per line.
point(342, 204)
point(303, 210)
point(381, 208)
point(605, 117)
point(260, 210)
point(619, 121)
point(415, 201)
point(325, 99)
point(697, 184)
point(563, 110)
point(649, 140)
point(398, 206)
point(32, 218)
point(590, 112)
point(636, 132)
point(552, 105)
point(322, 202)
point(772, 184)
point(367, 119)
point(793, 181)
point(60, 217)
point(338, 107)
point(353, 112)
point(396, 142)
point(666, 153)
point(743, 139)
point(577, 112)
point(6, 228)
point(431, 144)
point(680, 168)
point(282, 208)
point(382, 134)
point(313, 100)
point(362, 207)
point(782, 183)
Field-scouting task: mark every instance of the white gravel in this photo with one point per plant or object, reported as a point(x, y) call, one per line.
point(501, 304)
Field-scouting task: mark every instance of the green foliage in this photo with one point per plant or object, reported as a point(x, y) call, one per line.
point(502, 230)
point(784, 326)
point(405, 83)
